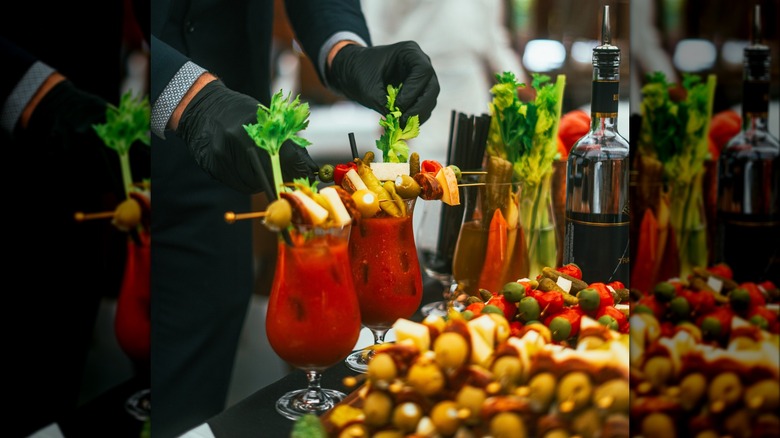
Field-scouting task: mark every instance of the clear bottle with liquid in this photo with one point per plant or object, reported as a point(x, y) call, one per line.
point(748, 212)
point(596, 235)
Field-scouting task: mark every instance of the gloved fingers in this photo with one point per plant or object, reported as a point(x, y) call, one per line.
point(413, 68)
point(424, 104)
point(296, 162)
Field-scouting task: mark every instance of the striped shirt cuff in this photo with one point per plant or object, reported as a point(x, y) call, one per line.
point(172, 94)
point(22, 93)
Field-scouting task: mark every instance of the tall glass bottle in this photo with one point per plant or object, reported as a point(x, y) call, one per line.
point(597, 214)
point(748, 235)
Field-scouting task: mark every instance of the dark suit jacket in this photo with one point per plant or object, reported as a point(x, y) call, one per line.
point(233, 39)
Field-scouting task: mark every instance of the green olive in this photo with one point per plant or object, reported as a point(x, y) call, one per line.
point(127, 215)
point(381, 367)
point(278, 215)
point(445, 418)
point(325, 173)
point(377, 407)
point(367, 202)
point(406, 416)
point(407, 187)
point(513, 291)
point(508, 425)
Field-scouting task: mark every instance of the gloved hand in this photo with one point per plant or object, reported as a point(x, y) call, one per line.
point(61, 130)
point(212, 127)
point(363, 74)
point(65, 115)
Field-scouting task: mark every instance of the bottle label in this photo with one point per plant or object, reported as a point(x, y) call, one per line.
point(605, 96)
point(598, 244)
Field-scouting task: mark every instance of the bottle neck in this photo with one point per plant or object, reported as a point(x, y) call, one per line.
point(755, 104)
point(605, 98)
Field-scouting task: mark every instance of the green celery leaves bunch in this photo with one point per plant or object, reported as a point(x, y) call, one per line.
point(525, 133)
point(673, 144)
point(675, 123)
point(277, 123)
point(392, 143)
point(125, 125)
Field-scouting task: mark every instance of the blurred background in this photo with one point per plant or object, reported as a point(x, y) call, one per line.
point(702, 37)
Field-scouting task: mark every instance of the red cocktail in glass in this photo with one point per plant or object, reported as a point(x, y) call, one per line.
point(313, 313)
point(386, 273)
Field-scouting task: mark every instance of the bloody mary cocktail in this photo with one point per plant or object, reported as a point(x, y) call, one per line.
point(313, 313)
point(386, 270)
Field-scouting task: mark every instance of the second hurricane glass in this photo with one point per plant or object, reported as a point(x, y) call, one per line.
point(386, 273)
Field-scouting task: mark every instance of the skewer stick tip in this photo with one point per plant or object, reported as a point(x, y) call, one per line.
point(230, 217)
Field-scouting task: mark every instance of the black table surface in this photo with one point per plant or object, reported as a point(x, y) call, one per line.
point(256, 415)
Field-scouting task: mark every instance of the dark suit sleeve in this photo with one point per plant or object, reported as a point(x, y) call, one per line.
point(314, 21)
point(165, 62)
point(16, 62)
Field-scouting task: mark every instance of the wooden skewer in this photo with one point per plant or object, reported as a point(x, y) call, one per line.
point(474, 172)
point(471, 184)
point(231, 217)
point(80, 216)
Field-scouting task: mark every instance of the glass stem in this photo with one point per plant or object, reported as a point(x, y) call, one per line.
point(314, 394)
point(379, 336)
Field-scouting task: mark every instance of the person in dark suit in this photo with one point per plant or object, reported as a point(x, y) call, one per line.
point(53, 90)
point(210, 69)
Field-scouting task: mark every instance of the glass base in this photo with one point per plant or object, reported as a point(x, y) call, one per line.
point(295, 404)
point(139, 405)
point(357, 361)
point(437, 308)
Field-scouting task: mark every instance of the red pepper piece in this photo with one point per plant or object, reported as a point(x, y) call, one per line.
point(475, 308)
point(570, 269)
point(765, 319)
point(604, 293)
point(617, 315)
point(756, 296)
point(701, 302)
point(649, 304)
point(716, 325)
point(340, 170)
point(432, 166)
point(515, 329)
point(509, 308)
point(722, 270)
point(564, 324)
point(495, 255)
point(550, 302)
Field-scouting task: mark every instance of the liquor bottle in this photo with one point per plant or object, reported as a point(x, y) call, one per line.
point(748, 213)
point(597, 213)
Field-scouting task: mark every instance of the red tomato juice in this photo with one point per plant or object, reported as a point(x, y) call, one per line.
point(313, 313)
point(386, 270)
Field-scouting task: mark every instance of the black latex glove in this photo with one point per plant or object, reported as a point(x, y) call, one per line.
point(61, 135)
point(363, 74)
point(65, 115)
point(212, 127)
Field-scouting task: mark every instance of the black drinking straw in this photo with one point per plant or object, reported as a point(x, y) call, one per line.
point(268, 188)
point(353, 145)
point(450, 148)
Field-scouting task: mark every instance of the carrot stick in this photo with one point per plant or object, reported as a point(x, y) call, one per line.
point(646, 254)
point(490, 277)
